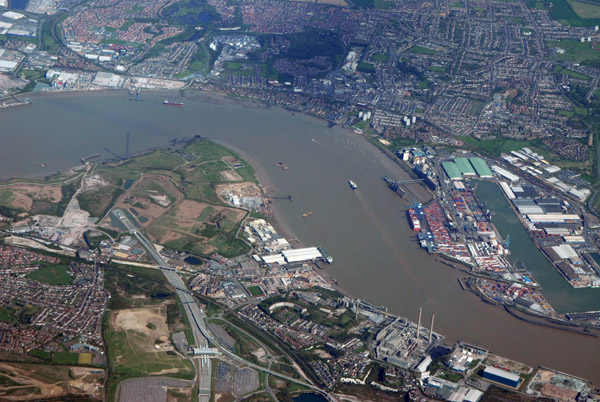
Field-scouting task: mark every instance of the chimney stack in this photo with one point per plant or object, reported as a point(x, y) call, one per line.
point(419, 323)
point(431, 329)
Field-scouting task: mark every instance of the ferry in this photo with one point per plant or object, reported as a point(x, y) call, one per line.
point(352, 184)
point(415, 224)
point(171, 103)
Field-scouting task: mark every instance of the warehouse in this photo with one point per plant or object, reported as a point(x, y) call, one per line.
point(452, 170)
point(507, 191)
point(553, 218)
point(273, 259)
point(565, 251)
point(505, 173)
point(481, 168)
point(527, 207)
point(301, 254)
point(464, 166)
point(501, 376)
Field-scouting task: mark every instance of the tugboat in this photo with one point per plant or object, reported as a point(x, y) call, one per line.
point(352, 184)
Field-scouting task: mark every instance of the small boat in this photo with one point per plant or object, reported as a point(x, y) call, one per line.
point(306, 215)
point(171, 103)
point(352, 184)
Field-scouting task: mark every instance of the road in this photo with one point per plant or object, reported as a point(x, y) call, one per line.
point(203, 337)
point(190, 306)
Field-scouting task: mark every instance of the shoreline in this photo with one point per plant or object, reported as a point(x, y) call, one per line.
point(279, 220)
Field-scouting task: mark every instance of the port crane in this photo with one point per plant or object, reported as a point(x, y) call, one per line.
point(507, 242)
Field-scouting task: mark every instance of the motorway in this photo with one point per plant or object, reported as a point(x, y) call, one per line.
point(202, 335)
point(199, 330)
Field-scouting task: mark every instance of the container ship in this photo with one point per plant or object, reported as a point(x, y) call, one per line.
point(395, 186)
point(352, 184)
point(415, 224)
point(171, 103)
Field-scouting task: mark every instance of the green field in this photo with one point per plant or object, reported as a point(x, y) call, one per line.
point(193, 179)
point(6, 196)
point(52, 275)
point(130, 354)
point(382, 57)
point(575, 50)
point(365, 68)
point(563, 12)
point(585, 10)
point(255, 291)
point(422, 50)
point(383, 5)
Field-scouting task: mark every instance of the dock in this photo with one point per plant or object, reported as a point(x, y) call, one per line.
point(86, 158)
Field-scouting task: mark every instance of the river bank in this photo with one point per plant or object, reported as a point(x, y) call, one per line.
point(376, 255)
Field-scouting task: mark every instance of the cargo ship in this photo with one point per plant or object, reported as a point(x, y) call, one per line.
point(415, 224)
point(171, 103)
point(394, 186)
point(352, 184)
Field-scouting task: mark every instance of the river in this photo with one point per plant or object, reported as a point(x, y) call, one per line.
point(375, 253)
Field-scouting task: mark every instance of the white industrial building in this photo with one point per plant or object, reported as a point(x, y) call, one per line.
point(108, 80)
point(301, 254)
point(565, 251)
point(505, 173)
point(507, 191)
point(553, 218)
point(6, 65)
point(273, 259)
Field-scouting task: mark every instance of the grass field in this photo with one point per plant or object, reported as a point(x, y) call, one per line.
point(585, 10)
point(382, 57)
point(128, 357)
point(422, 50)
point(564, 11)
point(52, 275)
point(255, 291)
point(575, 50)
point(85, 358)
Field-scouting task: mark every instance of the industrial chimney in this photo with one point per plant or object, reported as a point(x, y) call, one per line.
point(431, 329)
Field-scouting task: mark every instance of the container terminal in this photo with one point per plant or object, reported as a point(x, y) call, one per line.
point(460, 228)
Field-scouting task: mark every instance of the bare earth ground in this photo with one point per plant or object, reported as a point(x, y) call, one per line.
point(245, 189)
point(7, 82)
point(509, 364)
point(231, 175)
point(137, 319)
point(184, 218)
point(94, 182)
point(28, 377)
point(155, 204)
point(25, 194)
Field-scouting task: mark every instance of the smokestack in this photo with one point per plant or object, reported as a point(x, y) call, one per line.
point(419, 323)
point(431, 329)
